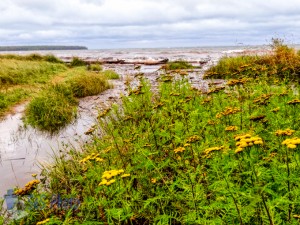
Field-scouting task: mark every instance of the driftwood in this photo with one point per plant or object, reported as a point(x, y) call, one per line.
point(111, 60)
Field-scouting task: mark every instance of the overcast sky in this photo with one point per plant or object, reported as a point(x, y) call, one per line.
point(148, 23)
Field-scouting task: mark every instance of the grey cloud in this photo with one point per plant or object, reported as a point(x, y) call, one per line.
point(98, 23)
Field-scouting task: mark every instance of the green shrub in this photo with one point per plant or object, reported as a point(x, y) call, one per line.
point(110, 74)
point(88, 84)
point(52, 109)
point(77, 62)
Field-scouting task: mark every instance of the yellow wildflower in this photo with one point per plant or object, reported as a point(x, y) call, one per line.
point(103, 182)
point(125, 175)
point(153, 180)
point(291, 142)
point(110, 182)
point(286, 132)
point(43, 222)
point(231, 128)
point(180, 149)
point(209, 150)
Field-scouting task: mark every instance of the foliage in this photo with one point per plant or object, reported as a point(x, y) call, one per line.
point(77, 62)
point(88, 84)
point(283, 63)
point(26, 72)
point(95, 67)
point(52, 108)
point(110, 74)
point(180, 64)
point(183, 156)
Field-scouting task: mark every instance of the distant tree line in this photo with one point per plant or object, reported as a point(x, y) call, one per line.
point(41, 47)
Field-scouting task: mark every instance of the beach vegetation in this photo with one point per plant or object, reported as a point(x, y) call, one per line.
point(76, 62)
point(52, 108)
point(282, 63)
point(177, 65)
point(95, 67)
point(111, 74)
point(227, 155)
point(88, 83)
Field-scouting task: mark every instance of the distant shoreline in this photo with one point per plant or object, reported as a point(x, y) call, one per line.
point(41, 47)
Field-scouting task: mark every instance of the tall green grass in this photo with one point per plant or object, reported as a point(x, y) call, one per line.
point(56, 106)
point(52, 109)
point(87, 84)
point(15, 72)
point(173, 158)
point(283, 64)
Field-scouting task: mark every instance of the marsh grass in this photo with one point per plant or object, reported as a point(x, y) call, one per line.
point(95, 67)
point(20, 78)
point(176, 65)
point(52, 109)
point(282, 64)
point(77, 62)
point(88, 84)
point(110, 74)
point(177, 157)
point(56, 106)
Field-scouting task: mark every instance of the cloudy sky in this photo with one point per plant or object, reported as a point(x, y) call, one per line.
point(148, 23)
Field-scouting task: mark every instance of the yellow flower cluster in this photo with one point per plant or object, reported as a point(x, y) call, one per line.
point(291, 142)
point(110, 174)
point(231, 128)
point(43, 222)
point(237, 81)
point(206, 100)
point(93, 156)
point(286, 132)
point(215, 90)
point(246, 140)
point(179, 149)
point(30, 186)
point(193, 139)
point(209, 150)
point(275, 110)
point(263, 99)
point(228, 111)
point(159, 105)
point(294, 102)
point(104, 113)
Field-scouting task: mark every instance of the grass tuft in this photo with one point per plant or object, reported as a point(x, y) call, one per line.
point(52, 109)
point(88, 84)
point(110, 74)
point(176, 65)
